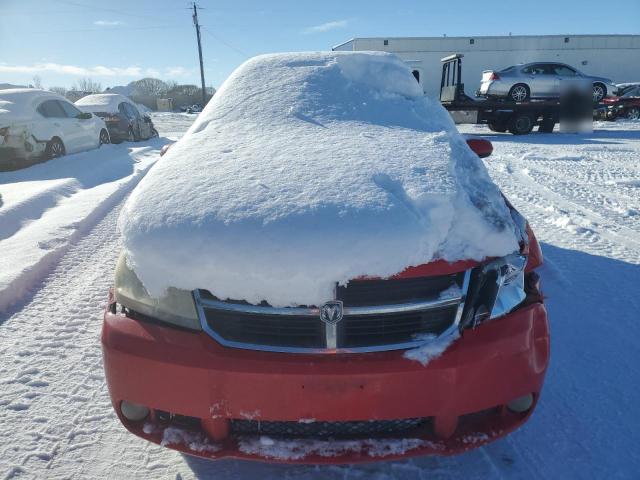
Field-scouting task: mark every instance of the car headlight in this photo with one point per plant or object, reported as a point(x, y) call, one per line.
point(495, 289)
point(175, 306)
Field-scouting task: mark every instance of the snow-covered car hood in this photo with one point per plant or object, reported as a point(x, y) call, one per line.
point(309, 169)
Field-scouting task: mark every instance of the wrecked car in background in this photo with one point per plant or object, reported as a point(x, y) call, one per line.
point(627, 105)
point(37, 124)
point(123, 117)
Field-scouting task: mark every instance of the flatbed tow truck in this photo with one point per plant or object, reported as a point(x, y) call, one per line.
point(519, 118)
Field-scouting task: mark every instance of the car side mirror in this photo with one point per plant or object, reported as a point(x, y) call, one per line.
point(84, 116)
point(481, 147)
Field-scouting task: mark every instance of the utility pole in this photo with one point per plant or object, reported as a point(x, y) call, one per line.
point(197, 25)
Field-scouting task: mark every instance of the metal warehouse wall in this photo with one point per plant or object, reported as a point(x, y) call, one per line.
point(613, 56)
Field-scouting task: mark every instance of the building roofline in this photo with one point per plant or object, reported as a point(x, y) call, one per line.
point(343, 43)
point(494, 36)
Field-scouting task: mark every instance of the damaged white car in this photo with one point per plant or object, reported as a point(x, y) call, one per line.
point(36, 124)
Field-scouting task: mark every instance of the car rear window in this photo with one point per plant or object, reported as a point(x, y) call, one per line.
point(508, 69)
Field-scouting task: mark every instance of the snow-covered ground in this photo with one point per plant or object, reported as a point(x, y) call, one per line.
point(581, 193)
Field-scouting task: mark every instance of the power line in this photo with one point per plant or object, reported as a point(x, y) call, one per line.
point(237, 50)
point(104, 30)
point(110, 10)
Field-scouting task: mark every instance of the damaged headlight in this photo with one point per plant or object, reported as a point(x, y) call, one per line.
point(495, 289)
point(175, 306)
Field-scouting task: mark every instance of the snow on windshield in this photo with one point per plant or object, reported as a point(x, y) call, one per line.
point(309, 169)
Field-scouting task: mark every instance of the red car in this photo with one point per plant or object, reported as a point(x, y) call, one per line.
point(625, 106)
point(333, 382)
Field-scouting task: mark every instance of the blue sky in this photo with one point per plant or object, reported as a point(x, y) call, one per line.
point(116, 41)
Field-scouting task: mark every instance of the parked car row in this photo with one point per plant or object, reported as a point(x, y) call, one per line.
point(37, 124)
point(540, 80)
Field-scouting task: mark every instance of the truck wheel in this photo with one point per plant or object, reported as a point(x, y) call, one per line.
point(521, 124)
point(599, 92)
point(55, 148)
point(497, 127)
point(633, 113)
point(519, 92)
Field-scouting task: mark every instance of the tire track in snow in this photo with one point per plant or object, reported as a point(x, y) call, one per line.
point(551, 213)
point(51, 363)
point(18, 286)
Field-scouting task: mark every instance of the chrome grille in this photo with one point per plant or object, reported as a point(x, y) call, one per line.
point(378, 315)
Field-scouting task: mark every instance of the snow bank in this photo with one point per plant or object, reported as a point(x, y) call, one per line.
point(309, 169)
point(103, 103)
point(48, 207)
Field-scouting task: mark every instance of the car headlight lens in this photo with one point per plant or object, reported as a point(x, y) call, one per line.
point(175, 306)
point(510, 284)
point(495, 289)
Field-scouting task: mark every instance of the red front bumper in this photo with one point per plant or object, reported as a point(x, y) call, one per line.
point(190, 374)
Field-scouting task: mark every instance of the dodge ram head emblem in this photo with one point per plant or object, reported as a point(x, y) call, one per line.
point(331, 312)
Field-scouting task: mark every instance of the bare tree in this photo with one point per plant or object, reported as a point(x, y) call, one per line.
point(183, 90)
point(88, 85)
point(59, 90)
point(37, 82)
point(150, 86)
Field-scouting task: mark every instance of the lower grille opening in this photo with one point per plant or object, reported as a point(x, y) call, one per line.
point(183, 421)
point(366, 428)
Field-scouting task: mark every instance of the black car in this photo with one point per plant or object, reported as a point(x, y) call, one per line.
point(122, 117)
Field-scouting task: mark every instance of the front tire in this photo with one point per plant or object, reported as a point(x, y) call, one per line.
point(104, 137)
point(599, 92)
point(55, 148)
point(519, 93)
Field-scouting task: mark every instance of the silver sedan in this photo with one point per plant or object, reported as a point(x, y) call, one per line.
point(539, 80)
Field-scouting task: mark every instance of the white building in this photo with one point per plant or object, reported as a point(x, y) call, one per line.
point(613, 56)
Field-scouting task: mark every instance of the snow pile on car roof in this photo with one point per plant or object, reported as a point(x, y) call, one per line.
point(19, 103)
point(309, 169)
point(103, 103)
